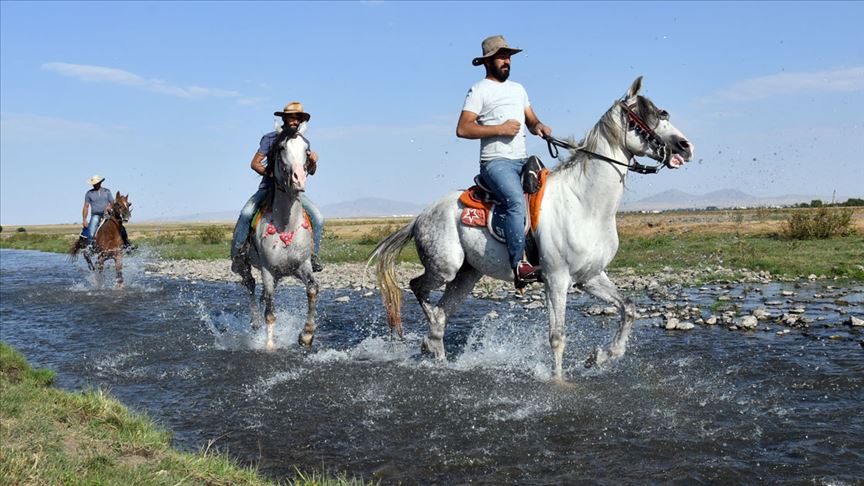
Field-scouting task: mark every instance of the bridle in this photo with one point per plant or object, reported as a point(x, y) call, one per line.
point(659, 149)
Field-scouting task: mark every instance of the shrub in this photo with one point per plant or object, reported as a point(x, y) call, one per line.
point(21, 229)
point(378, 233)
point(819, 224)
point(211, 235)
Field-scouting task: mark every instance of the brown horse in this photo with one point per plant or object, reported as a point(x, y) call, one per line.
point(108, 241)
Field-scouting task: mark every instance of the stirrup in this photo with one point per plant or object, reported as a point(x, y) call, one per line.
point(524, 274)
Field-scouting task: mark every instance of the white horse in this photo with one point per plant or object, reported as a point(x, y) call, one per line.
point(576, 234)
point(282, 240)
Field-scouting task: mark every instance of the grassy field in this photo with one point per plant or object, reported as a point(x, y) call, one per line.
point(48, 436)
point(738, 239)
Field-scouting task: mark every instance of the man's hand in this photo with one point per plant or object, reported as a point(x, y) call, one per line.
point(311, 162)
point(542, 130)
point(84, 223)
point(509, 128)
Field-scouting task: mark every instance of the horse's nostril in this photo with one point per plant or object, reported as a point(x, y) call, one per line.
point(684, 144)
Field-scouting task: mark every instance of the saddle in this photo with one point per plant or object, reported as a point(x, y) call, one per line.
point(482, 210)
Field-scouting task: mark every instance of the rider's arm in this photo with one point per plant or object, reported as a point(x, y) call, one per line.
point(84, 214)
point(256, 164)
point(534, 124)
point(311, 162)
point(470, 129)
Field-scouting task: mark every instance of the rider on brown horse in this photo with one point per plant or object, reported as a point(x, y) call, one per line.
point(98, 200)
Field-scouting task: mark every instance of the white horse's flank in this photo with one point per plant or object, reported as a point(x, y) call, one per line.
point(286, 249)
point(577, 234)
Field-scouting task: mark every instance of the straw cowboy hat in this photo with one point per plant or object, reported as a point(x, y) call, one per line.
point(294, 108)
point(96, 179)
point(491, 47)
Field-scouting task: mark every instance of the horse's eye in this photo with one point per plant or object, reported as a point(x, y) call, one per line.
point(663, 115)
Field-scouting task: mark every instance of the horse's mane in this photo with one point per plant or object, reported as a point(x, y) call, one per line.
point(606, 128)
point(276, 149)
point(273, 157)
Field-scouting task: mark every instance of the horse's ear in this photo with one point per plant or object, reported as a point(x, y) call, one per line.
point(635, 87)
point(117, 195)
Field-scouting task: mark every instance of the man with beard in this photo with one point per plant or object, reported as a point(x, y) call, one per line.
point(497, 111)
point(292, 116)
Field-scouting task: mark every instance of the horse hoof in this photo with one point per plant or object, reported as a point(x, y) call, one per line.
point(306, 339)
point(434, 349)
point(598, 357)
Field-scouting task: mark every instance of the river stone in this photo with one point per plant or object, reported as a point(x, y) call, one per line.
point(343, 299)
point(711, 320)
point(773, 302)
point(854, 321)
point(761, 314)
point(798, 310)
point(787, 293)
point(535, 305)
point(746, 322)
point(610, 311)
point(684, 326)
point(671, 323)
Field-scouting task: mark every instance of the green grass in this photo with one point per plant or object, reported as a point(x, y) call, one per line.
point(40, 242)
point(835, 257)
point(48, 436)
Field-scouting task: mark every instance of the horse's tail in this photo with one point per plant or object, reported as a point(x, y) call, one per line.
point(386, 252)
point(72, 254)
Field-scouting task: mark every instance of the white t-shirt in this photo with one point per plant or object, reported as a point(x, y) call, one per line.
point(494, 103)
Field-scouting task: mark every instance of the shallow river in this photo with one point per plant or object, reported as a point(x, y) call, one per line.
point(707, 405)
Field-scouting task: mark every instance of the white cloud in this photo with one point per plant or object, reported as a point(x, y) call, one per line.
point(785, 84)
point(97, 74)
point(25, 126)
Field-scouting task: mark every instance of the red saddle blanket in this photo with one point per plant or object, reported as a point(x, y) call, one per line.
point(476, 211)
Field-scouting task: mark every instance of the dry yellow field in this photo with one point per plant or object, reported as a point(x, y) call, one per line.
point(741, 221)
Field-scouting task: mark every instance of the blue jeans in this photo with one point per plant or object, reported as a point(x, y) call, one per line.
point(93, 225)
point(315, 217)
point(503, 178)
point(241, 229)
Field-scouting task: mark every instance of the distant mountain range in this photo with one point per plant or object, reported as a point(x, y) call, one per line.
point(724, 198)
point(672, 199)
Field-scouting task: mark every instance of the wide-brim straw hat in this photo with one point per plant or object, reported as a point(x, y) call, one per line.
point(294, 108)
point(492, 46)
point(96, 179)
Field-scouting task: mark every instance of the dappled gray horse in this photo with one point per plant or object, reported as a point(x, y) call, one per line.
point(282, 237)
point(576, 234)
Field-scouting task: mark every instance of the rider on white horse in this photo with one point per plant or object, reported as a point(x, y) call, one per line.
point(292, 116)
point(496, 111)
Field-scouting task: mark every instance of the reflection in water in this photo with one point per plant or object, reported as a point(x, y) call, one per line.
point(709, 405)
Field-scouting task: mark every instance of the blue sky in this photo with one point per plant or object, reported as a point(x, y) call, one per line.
point(168, 100)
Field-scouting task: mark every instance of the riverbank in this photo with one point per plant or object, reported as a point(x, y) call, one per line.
point(49, 436)
point(700, 247)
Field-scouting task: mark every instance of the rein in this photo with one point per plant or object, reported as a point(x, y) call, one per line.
point(661, 152)
point(553, 144)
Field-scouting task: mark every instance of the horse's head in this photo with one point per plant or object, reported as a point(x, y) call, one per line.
point(290, 166)
point(121, 208)
point(648, 131)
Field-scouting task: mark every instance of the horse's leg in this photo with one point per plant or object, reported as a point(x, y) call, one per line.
point(454, 293)
point(248, 281)
point(556, 305)
point(603, 288)
point(422, 286)
point(118, 267)
point(269, 283)
point(308, 333)
point(89, 260)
